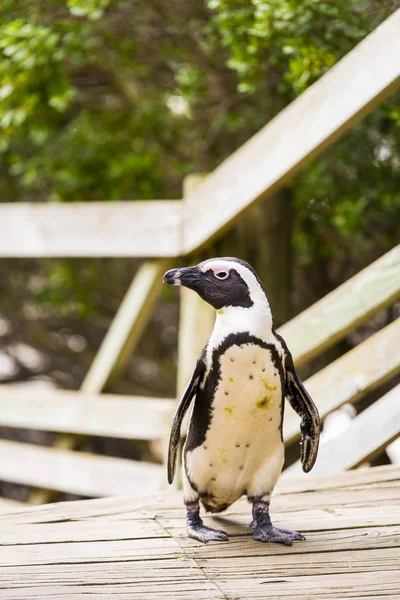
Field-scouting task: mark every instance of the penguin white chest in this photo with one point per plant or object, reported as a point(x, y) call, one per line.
point(243, 449)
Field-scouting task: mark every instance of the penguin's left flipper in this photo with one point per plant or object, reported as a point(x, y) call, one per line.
point(183, 406)
point(301, 401)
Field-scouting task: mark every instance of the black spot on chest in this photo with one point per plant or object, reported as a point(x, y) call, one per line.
point(202, 411)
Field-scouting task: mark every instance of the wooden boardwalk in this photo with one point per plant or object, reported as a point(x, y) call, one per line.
point(129, 548)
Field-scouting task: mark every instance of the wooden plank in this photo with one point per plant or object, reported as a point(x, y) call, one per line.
point(346, 308)
point(195, 588)
point(178, 569)
point(109, 415)
point(8, 506)
point(142, 229)
point(127, 326)
point(94, 552)
point(77, 472)
point(320, 116)
point(171, 566)
point(79, 531)
point(351, 376)
point(295, 565)
point(364, 477)
point(308, 520)
point(363, 538)
point(320, 587)
point(367, 435)
point(139, 506)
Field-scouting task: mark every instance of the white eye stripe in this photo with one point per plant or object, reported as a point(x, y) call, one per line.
point(215, 265)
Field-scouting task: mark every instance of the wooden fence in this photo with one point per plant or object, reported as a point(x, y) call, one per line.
point(162, 230)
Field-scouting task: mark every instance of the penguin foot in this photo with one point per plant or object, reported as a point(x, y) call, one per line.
point(264, 532)
point(206, 534)
point(196, 528)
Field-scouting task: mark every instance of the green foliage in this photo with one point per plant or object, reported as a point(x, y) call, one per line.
point(93, 9)
point(301, 39)
point(32, 76)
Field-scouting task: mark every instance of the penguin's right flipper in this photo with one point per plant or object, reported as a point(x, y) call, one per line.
point(183, 406)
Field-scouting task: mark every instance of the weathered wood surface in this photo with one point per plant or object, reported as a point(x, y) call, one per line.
point(320, 116)
point(77, 472)
point(351, 376)
point(367, 435)
point(137, 548)
point(109, 415)
point(7, 505)
point(343, 310)
point(143, 229)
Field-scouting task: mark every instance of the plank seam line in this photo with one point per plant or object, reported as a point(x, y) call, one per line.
point(213, 581)
point(114, 539)
point(104, 561)
point(304, 553)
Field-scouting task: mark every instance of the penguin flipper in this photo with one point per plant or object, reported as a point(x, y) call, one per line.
point(301, 401)
point(183, 406)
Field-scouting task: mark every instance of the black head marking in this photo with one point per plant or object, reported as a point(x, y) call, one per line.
point(219, 287)
point(244, 264)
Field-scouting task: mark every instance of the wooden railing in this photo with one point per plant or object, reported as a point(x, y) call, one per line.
point(162, 230)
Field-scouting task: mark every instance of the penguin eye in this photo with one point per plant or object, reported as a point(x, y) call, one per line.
point(221, 274)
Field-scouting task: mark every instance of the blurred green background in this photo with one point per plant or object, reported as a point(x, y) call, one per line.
point(114, 100)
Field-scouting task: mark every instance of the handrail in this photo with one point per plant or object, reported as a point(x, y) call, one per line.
point(344, 309)
point(91, 229)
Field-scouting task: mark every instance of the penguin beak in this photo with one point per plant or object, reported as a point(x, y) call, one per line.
point(186, 276)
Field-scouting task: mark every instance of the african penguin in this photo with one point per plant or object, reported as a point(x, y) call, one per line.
point(234, 445)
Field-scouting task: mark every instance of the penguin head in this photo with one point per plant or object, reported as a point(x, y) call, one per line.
point(222, 282)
